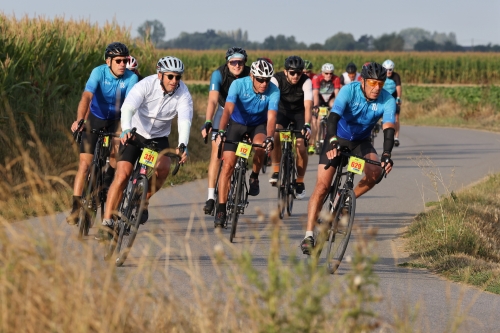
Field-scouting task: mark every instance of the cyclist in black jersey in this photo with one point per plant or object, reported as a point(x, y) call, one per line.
point(296, 99)
point(350, 75)
point(220, 81)
point(308, 69)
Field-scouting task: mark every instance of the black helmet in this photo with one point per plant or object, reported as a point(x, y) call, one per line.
point(232, 50)
point(373, 70)
point(116, 49)
point(294, 62)
point(351, 68)
point(308, 65)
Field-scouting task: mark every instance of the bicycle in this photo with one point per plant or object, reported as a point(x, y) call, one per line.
point(341, 207)
point(267, 162)
point(288, 170)
point(322, 128)
point(133, 203)
point(94, 195)
point(237, 199)
point(374, 132)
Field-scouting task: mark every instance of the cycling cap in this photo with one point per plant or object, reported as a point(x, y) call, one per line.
point(388, 64)
point(327, 67)
point(266, 59)
point(132, 63)
point(294, 62)
point(351, 68)
point(236, 52)
point(116, 49)
point(262, 68)
point(170, 64)
point(308, 65)
point(373, 70)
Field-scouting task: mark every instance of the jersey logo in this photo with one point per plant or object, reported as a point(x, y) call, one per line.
point(122, 84)
point(374, 106)
point(262, 98)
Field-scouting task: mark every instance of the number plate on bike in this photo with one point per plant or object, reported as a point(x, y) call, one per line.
point(105, 142)
point(148, 157)
point(243, 150)
point(286, 136)
point(355, 165)
point(323, 111)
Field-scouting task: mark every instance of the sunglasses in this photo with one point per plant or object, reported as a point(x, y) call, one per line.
point(327, 73)
point(293, 73)
point(236, 62)
point(373, 83)
point(262, 79)
point(119, 61)
point(171, 76)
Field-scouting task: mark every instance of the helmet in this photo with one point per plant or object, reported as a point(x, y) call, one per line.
point(232, 50)
point(266, 59)
point(327, 67)
point(373, 70)
point(308, 65)
point(351, 68)
point(116, 49)
point(294, 62)
point(132, 63)
point(170, 64)
point(388, 64)
point(262, 68)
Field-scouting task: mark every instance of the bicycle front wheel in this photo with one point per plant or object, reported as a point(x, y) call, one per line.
point(340, 231)
point(129, 225)
point(240, 178)
point(87, 212)
point(283, 184)
point(290, 193)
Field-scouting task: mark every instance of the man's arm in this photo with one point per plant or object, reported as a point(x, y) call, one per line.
point(226, 114)
point(83, 109)
point(213, 101)
point(271, 122)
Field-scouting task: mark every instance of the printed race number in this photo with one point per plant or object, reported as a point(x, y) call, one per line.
point(356, 165)
point(285, 136)
point(105, 142)
point(148, 157)
point(323, 111)
point(243, 150)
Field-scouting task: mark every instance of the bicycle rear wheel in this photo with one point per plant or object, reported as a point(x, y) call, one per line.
point(283, 184)
point(340, 231)
point(129, 225)
point(240, 178)
point(290, 192)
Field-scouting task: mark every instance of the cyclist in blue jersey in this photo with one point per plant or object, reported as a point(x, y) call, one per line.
point(393, 86)
point(104, 94)
point(220, 82)
point(355, 111)
point(251, 108)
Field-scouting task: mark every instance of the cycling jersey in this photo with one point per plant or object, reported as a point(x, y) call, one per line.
point(250, 108)
point(391, 83)
point(345, 79)
point(292, 96)
point(326, 88)
point(359, 116)
point(153, 111)
point(311, 75)
point(221, 80)
point(108, 91)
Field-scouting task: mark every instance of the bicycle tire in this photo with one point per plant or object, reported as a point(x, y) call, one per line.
point(290, 195)
point(339, 234)
point(85, 216)
point(129, 226)
point(264, 163)
point(240, 178)
point(282, 185)
point(216, 190)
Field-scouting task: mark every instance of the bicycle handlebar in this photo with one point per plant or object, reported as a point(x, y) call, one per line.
point(77, 135)
point(219, 151)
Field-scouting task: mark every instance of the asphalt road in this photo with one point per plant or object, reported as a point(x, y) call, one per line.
point(429, 162)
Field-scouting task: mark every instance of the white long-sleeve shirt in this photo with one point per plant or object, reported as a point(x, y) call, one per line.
point(153, 112)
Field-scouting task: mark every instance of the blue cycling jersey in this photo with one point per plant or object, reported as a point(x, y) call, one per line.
point(250, 108)
point(109, 91)
point(390, 85)
point(358, 116)
point(215, 81)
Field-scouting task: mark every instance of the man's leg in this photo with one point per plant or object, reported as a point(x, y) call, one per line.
point(314, 132)
point(213, 168)
point(302, 159)
point(258, 158)
point(83, 169)
point(396, 134)
point(225, 176)
point(276, 157)
point(372, 172)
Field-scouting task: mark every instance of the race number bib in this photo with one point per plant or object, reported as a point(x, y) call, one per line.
point(285, 136)
point(323, 111)
point(148, 157)
point(105, 142)
point(243, 150)
point(356, 165)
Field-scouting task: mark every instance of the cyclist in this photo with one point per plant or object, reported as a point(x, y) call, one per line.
point(251, 107)
point(295, 106)
point(133, 66)
point(350, 75)
point(104, 93)
point(308, 67)
point(393, 86)
point(150, 108)
point(325, 87)
point(357, 108)
point(220, 82)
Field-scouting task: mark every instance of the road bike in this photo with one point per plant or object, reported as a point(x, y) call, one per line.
point(322, 127)
point(334, 228)
point(374, 132)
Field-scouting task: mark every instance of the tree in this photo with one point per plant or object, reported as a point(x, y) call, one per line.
point(365, 43)
point(389, 42)
point(340, 41)
point(316, 46)
point(412, 36)
point(152, 29)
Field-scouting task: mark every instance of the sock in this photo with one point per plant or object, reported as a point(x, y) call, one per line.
point(254, 175)
point(108, 222)
point(222, 208)
point(300, 179)
point(77, 200)
point(211, 192)
point(108, 176)
point(309, 234)
point(276, 167)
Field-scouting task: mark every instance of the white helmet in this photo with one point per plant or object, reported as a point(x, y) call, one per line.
point(262, 68)
point(327, 67)
point(132, 63)
point(170, 64)
point(388, 64)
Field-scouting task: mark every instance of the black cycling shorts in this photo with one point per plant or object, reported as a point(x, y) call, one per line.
point(89, 140)
point(360, 148)
point(236, 131)
point(284, 119)
point(131, 153)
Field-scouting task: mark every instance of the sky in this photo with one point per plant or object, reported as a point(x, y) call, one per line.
point(313, 21)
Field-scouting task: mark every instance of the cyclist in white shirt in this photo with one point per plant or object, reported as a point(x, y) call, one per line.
point(150, 107)
point(350, 75)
